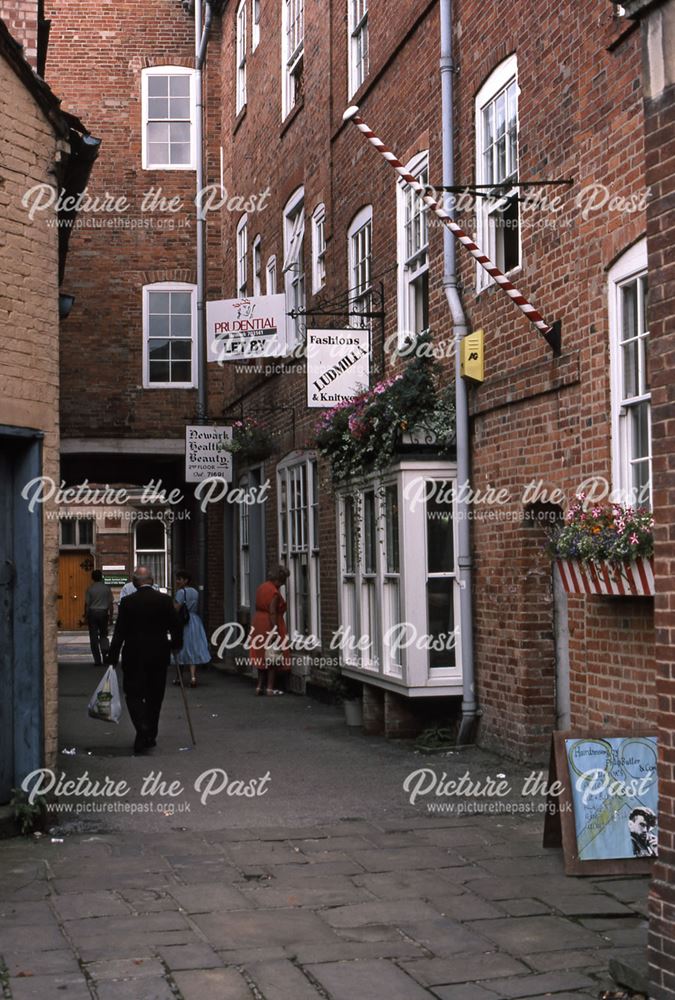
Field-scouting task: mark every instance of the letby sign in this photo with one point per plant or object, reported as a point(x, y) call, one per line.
point(246, 328)
point(338, 365)
point(204, 455)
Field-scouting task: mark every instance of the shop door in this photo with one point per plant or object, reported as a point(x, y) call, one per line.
point(6, 627)
point(74, 578)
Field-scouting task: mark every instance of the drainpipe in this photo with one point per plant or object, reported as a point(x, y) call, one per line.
point(470, 709)
point(201, 42)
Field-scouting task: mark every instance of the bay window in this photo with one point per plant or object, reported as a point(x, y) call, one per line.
point(399, 589)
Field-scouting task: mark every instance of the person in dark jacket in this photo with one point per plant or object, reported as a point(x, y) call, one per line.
point(146, 632)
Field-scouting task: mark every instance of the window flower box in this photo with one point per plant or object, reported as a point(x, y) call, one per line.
point(605, 549)
point(630, 579)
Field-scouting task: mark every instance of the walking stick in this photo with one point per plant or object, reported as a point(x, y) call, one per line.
point(550, 334)
point(179, 674)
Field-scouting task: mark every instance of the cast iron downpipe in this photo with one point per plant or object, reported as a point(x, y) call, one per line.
point(459, 325)
point(201, 43)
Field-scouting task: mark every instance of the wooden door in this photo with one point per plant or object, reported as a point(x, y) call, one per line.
point(74, 578)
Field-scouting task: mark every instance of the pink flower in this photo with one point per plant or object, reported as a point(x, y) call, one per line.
point(634, 540)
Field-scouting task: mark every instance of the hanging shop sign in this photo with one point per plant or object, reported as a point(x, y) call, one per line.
point(246, 328)
point(205, 455)
point(338, 365)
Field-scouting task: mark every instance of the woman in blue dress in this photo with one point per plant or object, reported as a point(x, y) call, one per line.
point(195, 649)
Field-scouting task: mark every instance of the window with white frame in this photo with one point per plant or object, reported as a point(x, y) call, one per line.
point(318, 248)
point(298, 493)
point(413, 253)
point(294, 267)
point(169, 336)
point(498, 213)
point(631, 396)
point(240, 22)
point(151, 549)
point(359, 53)
point(293, 40)
point(271, 276)
point(256, 254)
point(255, 24)
point(405, 517)
point(242, 256)
point(168, 112)
point(76, 532)
point(359, 252)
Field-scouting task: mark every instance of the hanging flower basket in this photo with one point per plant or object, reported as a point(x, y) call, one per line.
point(406, 412)
point(631, 579)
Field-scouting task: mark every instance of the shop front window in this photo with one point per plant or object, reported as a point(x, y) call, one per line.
point(299, 542)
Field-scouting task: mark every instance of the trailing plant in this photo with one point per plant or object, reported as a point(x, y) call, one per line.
point(362, 434)
point(608, 532)
point(29, 816)
point(249, 440)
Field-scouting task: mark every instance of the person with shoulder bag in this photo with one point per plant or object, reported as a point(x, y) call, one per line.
point(195, 651)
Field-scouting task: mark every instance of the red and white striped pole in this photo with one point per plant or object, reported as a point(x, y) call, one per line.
point(550, 333)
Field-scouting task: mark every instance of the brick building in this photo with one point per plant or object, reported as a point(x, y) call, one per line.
point(543, 661)
point(39, 145)
point(129, 351)
point(313, 213)
point(657, 27)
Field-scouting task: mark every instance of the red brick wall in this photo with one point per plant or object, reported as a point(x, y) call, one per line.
point(95, 58)
point(21, 17)
point(535, 417)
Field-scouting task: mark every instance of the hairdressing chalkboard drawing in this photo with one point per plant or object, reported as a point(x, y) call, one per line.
point(615, 796)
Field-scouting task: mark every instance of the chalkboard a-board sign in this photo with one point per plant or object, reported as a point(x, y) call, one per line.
point(606, 815)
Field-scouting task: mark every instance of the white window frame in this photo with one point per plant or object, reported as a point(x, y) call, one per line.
point(488, 209)
point(365, 596)
point(358, 44)
point(240, 50)
point(410, 269)
point(256, 265)
point(318, 248)
point(164, 582)
point(292, 52)
point(629, 268)
point(271, 276)
point(242, 257)
point(255, 24)
point(360, 263)
point(169, 286)
point(294, 264)
point(298, 533)
point(169, 71)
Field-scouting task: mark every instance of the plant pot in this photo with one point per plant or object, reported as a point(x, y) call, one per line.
point(630, 579)
point(353, 712)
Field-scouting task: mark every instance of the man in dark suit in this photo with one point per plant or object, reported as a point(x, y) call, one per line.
point(147, 630)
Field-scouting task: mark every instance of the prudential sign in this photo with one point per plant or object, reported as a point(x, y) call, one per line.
point(252, 327)
point(338, 365)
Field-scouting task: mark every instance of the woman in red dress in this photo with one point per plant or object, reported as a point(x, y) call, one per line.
point(268, 626)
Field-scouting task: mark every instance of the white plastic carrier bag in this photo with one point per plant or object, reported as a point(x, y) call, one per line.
point(105, 703)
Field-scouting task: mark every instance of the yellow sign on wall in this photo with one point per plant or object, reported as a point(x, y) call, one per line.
point(472, 355)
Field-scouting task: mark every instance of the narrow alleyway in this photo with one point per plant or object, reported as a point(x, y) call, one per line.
point(331, 884)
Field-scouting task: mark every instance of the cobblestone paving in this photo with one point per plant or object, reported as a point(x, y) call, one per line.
point(382, 907)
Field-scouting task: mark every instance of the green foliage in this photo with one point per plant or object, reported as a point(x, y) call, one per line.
point(29, 816)
point(604, 532)
point(363, 434)
point(250, 440)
